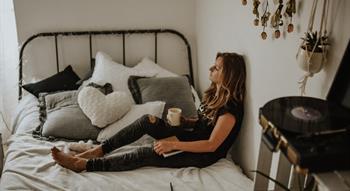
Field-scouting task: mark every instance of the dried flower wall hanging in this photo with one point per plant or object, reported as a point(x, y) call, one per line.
point(276, 19)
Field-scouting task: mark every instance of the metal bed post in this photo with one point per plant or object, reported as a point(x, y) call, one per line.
point(90, 51)
point(155, 47)
point(57, 62)
point(124, 49)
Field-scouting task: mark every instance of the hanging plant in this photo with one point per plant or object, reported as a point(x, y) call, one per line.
point(312, 53)
point(313, 41)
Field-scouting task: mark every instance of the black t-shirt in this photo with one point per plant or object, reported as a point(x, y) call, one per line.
point(203, 126)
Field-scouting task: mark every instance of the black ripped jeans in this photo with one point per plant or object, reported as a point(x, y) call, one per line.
point(146, 156)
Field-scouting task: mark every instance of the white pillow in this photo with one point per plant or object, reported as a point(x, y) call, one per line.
point(103, 109)
point(147, 64)
point(108, 71)
point(102, 55)
point(153, 108)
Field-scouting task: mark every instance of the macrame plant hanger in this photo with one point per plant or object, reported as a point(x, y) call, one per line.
point(322, 32)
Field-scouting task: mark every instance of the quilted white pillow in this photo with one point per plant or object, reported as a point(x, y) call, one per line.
point(108, 71)
point(103, 109)
point(153, 108)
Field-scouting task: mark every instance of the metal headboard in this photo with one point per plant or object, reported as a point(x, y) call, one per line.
point(106, 32)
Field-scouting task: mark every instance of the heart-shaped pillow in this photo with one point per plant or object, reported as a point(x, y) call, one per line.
point(103, 109)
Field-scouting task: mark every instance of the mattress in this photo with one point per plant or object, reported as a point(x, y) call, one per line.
point(29, 166)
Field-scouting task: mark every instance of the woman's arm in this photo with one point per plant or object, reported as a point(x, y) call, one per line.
point(222, 128)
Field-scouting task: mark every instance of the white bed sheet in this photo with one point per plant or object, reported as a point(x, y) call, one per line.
point(29, 166)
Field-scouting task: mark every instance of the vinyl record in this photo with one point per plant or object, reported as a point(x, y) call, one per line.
point(306, 115)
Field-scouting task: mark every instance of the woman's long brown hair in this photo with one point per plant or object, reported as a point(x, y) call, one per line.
point(232, 87)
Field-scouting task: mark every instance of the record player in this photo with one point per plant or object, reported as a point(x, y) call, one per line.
point(314, 134)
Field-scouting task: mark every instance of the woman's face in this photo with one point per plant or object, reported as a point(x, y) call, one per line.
point(215, 74)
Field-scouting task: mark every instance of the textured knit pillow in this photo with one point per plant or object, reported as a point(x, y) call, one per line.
point(64, 80)
point(174, 91)
point(103, 109)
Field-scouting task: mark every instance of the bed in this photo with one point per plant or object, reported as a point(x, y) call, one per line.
point(29, 165)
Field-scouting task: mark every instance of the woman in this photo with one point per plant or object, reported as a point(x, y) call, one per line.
point(204, 140)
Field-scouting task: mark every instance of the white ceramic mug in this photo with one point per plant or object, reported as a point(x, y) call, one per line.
point(174, 116)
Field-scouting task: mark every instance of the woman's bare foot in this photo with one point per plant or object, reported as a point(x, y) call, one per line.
point(95, 152)
point(74, 163)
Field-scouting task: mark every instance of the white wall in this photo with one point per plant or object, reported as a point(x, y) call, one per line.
point(8, 59)
point(65, 15)
point(226, 25)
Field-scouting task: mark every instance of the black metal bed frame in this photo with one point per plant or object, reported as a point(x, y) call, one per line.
point(105, 32)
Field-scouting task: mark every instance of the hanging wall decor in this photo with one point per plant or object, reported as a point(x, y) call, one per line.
point(276, 19)
point(312, 52)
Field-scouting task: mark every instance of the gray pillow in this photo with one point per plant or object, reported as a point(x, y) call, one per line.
point(175, 91)
point(62, 117)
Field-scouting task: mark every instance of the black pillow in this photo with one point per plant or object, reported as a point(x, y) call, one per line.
point(64, 80)
point(175, 91)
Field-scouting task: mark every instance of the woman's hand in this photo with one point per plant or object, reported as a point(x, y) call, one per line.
point(161, 147)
